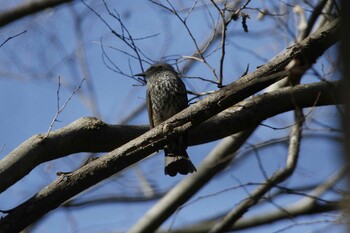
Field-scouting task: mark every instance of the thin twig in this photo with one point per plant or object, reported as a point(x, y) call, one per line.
point(60, 109)
point(223, 41)
point(183, 21)
point(112, 66)
point(11, 37)
point(129, 41)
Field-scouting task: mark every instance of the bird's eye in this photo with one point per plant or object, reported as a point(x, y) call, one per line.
point(152, 68)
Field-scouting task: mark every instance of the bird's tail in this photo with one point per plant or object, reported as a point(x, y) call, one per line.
point(176, 159)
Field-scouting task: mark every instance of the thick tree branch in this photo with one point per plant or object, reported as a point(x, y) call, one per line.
point(64, 189)
point(28, 8)
point(92, 135)
point(67, 186)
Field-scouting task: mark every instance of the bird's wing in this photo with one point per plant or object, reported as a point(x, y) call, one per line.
point(149, 109)
point(183, 94)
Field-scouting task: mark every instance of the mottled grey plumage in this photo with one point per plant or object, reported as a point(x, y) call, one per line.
point(166, 96)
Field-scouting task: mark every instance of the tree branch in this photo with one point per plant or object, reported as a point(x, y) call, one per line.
point(279, 176)
point(305, 206)
point(28, 8)
point(266, 218)
point(92, 135)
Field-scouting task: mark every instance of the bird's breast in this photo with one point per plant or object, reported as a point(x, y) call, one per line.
point(167, 99)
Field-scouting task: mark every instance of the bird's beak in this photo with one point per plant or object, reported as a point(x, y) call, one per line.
point(140, 74)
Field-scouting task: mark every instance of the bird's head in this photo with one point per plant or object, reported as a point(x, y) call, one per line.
point(156, 69)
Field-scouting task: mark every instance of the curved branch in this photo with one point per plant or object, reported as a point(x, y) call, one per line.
point(28, 8)
point(89, 134)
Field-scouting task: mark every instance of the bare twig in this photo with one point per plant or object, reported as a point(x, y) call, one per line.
point(183, 21)
point(110, 64)
point(128, 40)
point(28, 8)
point(11, 37)
point(225, 22)
point(60, 109)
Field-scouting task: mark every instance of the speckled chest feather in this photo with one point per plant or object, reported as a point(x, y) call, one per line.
point(167, 94)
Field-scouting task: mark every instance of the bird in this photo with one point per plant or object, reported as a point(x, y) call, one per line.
point(166, 95)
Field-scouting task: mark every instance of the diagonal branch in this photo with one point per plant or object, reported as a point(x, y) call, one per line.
point(28, 8)
point(277, 177)
point(92, 135)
